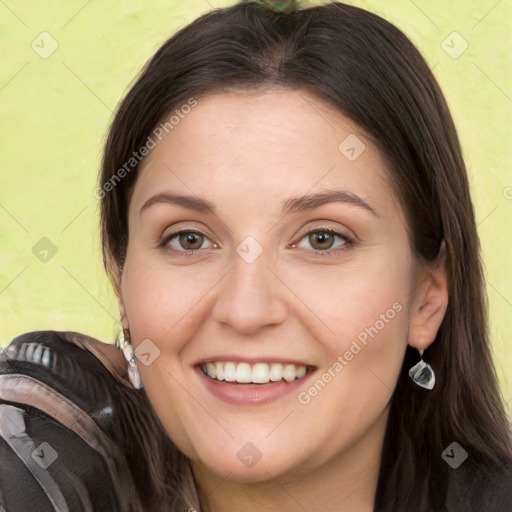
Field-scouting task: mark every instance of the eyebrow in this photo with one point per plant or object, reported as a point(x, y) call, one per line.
point(291, 205)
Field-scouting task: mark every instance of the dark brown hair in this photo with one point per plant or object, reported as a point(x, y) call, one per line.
point(370, 71)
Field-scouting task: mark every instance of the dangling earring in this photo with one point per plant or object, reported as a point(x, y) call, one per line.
point(133, 371)
point(422, 374)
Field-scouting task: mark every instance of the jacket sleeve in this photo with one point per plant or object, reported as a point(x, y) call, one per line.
point(58, 416)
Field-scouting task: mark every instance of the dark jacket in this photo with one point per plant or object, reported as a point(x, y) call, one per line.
point(68, 413)
point(61, 426)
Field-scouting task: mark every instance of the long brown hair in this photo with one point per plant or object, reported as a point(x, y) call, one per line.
point(370, 71)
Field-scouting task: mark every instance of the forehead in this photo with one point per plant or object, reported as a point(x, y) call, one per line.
point(280, 118)
point(236, 145)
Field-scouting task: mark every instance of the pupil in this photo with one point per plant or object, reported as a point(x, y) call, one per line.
point(322, 237)
point(189, 238)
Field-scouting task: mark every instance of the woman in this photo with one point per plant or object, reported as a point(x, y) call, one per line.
point(287, 223)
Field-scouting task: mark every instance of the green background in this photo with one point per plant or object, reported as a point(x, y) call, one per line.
point(55, 112)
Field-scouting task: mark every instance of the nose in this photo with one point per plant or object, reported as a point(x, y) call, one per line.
point(251, 297)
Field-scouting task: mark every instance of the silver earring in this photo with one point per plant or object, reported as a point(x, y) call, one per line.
point(422, 373)
point(133, 371)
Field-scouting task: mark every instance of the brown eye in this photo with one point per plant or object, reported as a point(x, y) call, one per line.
point(185, 241)
point(190, 240)
point(321, 240)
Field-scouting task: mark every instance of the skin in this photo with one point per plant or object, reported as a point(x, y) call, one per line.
point(247, 153)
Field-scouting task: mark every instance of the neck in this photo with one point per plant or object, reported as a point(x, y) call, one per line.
point(345, 483)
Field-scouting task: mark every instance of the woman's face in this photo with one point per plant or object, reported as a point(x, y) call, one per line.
point(294, 258)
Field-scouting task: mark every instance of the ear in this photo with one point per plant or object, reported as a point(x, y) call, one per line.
point(429, 302)
point(122, 313)
point(116, 283)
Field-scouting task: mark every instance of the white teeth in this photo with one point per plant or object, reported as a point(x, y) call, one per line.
point(229, 372)
point(276, 372)
point(210, 370)
point(289, 373)
point(258, 373)
point(219, 368)
point(301, 371)
point(243, 373)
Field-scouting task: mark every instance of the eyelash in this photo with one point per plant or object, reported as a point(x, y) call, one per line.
point(327, 253)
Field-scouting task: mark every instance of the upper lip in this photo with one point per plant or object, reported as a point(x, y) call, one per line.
point(251, 360)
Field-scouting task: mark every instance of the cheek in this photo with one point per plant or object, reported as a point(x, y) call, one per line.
point(361, 321)
point(363, 299)
point(162, 300)
point(163, 303)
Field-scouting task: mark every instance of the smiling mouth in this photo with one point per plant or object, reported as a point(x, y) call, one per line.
point(258, 373)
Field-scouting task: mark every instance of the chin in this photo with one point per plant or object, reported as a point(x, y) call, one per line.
point(235, 471)
point(245, 464)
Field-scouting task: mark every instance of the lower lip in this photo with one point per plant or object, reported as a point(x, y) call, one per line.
point(250, 394)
